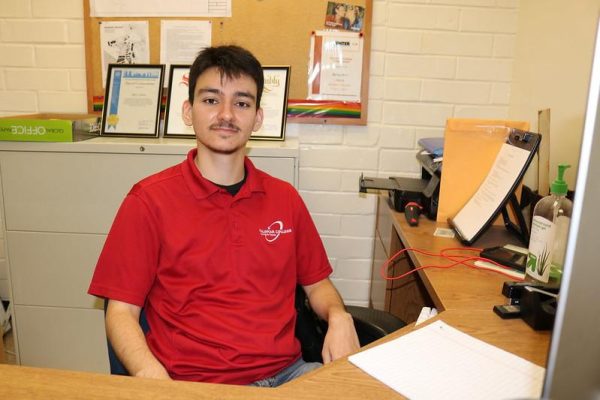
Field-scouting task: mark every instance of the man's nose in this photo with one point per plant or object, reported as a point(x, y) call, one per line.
point(226, 111)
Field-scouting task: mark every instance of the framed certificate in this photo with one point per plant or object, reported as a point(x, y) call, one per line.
point(132, 100)
point(179, 76)
point(274, 103)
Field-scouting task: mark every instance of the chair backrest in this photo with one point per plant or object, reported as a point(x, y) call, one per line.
point(310, 330)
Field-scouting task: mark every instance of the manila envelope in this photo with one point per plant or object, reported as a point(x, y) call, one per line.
point(470, 148)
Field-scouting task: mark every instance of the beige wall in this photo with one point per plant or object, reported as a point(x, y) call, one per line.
point(553, 58)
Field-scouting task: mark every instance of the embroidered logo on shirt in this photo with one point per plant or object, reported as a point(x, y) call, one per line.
point(273, 231)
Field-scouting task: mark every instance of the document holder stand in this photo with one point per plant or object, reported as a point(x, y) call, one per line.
point(497, 192)
point(520, 229)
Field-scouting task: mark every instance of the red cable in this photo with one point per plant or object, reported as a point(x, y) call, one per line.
point(456, 259)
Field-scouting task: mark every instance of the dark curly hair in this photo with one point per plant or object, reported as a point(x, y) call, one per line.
point(232, 62)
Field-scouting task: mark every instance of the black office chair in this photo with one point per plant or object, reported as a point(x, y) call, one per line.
point(310, 330)
point(370, 325)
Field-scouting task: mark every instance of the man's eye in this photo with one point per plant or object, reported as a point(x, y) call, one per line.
point(210, 101)
point(243, 104)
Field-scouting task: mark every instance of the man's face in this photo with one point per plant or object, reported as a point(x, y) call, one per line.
point(224, 112)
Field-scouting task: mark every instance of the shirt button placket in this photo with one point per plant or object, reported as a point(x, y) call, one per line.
point(235, 225)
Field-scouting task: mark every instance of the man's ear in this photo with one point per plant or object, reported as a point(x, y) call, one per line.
point(258, 120)
point(186, 112)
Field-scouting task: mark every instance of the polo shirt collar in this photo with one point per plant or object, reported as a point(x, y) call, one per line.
point(202, 188)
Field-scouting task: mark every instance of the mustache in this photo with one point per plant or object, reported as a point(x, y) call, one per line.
point(224, 125)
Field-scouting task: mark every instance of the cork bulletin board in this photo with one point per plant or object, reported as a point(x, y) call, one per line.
point(277, 32)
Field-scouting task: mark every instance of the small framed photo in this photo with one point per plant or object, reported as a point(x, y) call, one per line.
point(274, 103)
point(132, 100)
point(179, 83)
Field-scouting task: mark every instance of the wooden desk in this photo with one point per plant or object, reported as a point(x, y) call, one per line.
point(338, 380)
point(466, 297)
point(460, 287)
point(1, 345)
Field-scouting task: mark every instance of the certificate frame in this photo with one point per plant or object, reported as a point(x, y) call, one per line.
point(132, 100)
point(274, 103)
point(177, 94)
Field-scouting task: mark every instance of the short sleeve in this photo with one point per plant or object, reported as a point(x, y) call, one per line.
point(128, 262)
point(313, 264)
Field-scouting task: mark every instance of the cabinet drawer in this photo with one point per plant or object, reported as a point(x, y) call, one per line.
point(81, 192)
point(53, 269)
point(71, 192)
point(279, 167)
point(64, 338)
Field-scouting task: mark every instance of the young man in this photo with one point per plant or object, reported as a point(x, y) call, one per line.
point(213, 249)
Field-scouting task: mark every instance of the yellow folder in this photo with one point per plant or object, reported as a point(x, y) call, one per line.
point(470, 148)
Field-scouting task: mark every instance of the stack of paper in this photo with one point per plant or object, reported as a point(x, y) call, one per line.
point(440, 362)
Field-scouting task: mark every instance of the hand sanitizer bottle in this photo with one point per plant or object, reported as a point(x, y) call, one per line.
point(549, 230)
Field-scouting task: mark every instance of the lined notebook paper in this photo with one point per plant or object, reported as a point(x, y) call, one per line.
point(441, 362)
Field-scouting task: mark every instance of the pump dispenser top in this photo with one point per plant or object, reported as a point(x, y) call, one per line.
point(559, 187)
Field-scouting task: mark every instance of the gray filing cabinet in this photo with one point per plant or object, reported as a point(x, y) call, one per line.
point(59, 201)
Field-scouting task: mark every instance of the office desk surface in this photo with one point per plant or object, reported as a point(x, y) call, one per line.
point(466, 297)
point(459, 287)
point(338, 380)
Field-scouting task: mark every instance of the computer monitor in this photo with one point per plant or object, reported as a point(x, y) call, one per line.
point(573, 370)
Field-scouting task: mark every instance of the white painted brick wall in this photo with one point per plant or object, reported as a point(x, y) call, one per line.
point(456, 43)
point(357, 225)
point(327, 224)
point(42, 56)
point(377, 65)
point(419, 114)
point(488, 20)
point(60, 9)
point(397, 137)
point(16, 55)
point(20, 79)
point(402, 89)
point(500, 93)
point(350, 180)
point(338, 157)
point(338, 202)
point(430, 60)
point(63, 56)
point(361, 136)
point(456, 91)
point(420, 66)
point(423, 17)
point(15, 9)
point(504, 46)
point(484, 69)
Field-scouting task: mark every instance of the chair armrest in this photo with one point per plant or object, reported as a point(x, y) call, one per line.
point(373, 324)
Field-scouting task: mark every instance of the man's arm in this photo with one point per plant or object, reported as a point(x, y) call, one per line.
point(128, 341)
point(341, 338)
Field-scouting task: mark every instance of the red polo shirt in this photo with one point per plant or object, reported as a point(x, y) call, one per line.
point(216, 273)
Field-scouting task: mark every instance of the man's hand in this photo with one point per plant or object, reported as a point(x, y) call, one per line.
point(128, 341)
point(341, 338)
point(153, 372)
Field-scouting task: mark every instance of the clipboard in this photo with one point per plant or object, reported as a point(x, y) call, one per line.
point(497, 191)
